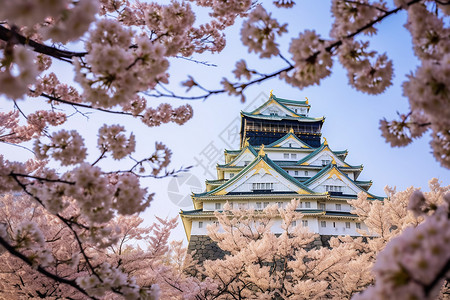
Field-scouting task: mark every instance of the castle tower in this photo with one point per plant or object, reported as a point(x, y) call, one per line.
point(281, 157)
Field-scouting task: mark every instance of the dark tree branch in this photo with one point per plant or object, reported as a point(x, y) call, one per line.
point(12, 35)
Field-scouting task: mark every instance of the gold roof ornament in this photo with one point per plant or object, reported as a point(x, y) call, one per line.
point(271, 93)
point(333, 161)
point(291, 130)
point(325, 143)
point(246, 143)
point(307, 100)
point(261, 151)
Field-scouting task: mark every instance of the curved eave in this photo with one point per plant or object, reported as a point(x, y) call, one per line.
point(279, 118)
point(317, 196)
point(242, 151)
point(292, 102)
point(226, 167)
point(280, 103)
point(339, 215)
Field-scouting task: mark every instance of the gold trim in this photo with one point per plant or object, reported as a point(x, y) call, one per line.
point(261, 151)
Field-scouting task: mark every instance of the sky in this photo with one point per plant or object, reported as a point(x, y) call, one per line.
point(352, 117)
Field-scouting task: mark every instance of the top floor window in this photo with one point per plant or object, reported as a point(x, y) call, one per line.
point(325, 162)
point(262, 186)
point(334, 188)
point(293, 155)
point(286, 155)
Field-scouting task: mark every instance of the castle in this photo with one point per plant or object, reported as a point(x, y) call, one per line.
point(281, 157)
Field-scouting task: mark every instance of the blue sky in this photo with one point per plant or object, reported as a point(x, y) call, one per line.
point(352, 118)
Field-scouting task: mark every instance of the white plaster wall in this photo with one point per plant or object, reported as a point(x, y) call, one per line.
point(340, 228)
point(345, 207)
point(313, 225)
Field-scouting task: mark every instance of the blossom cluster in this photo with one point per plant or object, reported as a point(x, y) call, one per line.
point(15, 84)
point(64, 20)
point(414, 263)
point(111, 138)
point(352, 15)
point(66, 147)
point(259, 31)
point(12, 132)
point(312, 61)
point(164, 113)
point(116, 70)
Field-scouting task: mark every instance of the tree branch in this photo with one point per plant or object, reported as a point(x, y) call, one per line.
point(12, 35)
point(40, 269)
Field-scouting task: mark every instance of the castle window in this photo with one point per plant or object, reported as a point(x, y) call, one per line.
point(296, 173)
point(338, 207)
point(347, 224)
point(322, 206)
point(231, 175)
point(258, 205)
point(358, 225)
point(334, 224)
point(242, 205)
point(294, 223)
point(280, 204)
point(293, 155)
point(305, 223)
point(286, 155)
point(265, 204)
point(306, 173)
point(218, 206)
point(262, 186)
point(334, 188)
point(290, 145)
point(200, 224)
point(323, 224)
point(307, 204)
point(325, 162)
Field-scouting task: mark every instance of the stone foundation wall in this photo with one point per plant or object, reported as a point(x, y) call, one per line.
point(207, 249)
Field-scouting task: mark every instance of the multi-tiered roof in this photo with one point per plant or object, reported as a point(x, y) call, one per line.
point(281, 157)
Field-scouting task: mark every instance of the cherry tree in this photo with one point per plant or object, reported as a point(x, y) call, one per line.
point(120, 50)
point(45, 260)
point(403, 254)
point(262, 265)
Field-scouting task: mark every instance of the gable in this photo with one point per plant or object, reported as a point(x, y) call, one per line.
point(292, 142)
point(243, 159)
point(333, 180)
point(272, 107)
point(269, 177)
point(323, 158)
